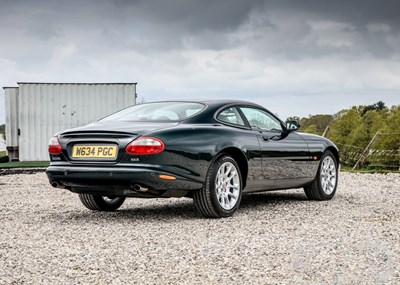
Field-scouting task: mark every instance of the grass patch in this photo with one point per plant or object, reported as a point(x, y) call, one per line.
point(367, 170)
point(3, 153)
point(24, 164)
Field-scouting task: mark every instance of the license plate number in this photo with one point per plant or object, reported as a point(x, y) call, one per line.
point(94, 151)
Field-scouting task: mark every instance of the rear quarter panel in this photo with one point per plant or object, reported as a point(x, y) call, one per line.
point(190, 149)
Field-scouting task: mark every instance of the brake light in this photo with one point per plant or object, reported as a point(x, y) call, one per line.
point(145, 145)
point(55, 146)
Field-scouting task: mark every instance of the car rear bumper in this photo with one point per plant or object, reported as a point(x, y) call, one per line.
point(117, 181)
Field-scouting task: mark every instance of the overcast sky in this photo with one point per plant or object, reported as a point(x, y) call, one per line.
point(294, 57)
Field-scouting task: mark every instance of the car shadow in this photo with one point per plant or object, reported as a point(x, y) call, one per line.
point(169, 211)
point(268, 199)
point(180, 209)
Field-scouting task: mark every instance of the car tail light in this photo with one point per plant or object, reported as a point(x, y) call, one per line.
point(55, 146)
point(145, 145)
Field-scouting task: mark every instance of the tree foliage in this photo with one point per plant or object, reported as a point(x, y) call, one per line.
point(3, 130)
point(358, 125)
point(355, 127)
point(378, 106)
point(315, 124)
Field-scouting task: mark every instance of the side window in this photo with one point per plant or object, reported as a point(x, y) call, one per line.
point(261, 120)
point(231, 116)
point(164, 115)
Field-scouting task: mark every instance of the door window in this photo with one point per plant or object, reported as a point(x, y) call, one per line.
point(260, 119)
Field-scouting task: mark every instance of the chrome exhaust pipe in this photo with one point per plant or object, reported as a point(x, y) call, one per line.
point(139, 188)
point(54, 184)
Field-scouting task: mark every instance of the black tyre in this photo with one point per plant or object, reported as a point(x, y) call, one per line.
point(222, 191)
point(325, 183)
point(101, 203)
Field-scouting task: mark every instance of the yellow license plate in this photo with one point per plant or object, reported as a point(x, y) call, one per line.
point(94, 151)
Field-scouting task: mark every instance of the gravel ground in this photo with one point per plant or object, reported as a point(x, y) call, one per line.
point(48, 237)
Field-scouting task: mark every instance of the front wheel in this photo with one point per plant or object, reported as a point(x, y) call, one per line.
point(101, 203)
point(222, 191)
point(325, 183)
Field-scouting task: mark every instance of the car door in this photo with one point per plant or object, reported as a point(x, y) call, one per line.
point(285, 155)
point(247, 140)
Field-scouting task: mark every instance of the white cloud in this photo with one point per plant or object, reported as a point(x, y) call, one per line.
point(62, 54)
point(296, 59)
point(378, 28)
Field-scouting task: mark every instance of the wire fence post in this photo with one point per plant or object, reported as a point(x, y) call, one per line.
point(326, 131)
point(365, 153)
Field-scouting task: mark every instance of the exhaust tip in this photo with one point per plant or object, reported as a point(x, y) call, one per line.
point(54, 184)
point(139, 188)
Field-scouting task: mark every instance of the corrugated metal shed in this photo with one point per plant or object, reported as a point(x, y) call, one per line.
point(46, 108)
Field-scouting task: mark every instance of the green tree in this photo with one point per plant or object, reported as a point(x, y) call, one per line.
point(378, 106)
point(371, 122)
point(3, 130)
point(352, 130)
point(293, 119)
point(390, 138)
point(315, 124)
point(311, 129)
point(344, 125)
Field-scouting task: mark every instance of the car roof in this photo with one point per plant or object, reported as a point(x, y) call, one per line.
point(212, 102)
point(207, 115)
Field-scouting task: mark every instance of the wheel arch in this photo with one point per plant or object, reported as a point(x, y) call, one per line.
point(240, 158)
point(335, 152)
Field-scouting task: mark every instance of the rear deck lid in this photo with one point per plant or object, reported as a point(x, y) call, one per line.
point(105, 142)
point(127, 127)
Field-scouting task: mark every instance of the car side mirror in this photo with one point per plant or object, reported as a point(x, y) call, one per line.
point(292, 125)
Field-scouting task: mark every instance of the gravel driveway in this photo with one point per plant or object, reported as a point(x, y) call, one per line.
point(48, 237)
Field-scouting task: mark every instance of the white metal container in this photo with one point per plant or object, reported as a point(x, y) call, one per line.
point(46, 108)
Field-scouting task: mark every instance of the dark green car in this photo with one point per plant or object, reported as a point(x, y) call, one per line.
point(212, 151)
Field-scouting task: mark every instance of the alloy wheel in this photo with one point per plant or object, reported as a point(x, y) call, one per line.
point(227, 185)
point(328, 175)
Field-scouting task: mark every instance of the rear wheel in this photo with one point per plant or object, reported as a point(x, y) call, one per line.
point(325, 183)
point(222, 191)
point(101, 203)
